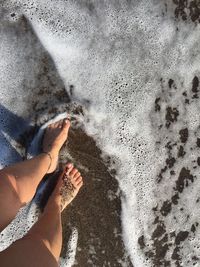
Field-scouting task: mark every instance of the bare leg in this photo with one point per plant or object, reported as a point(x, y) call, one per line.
point(42, 245)
point(18, 183)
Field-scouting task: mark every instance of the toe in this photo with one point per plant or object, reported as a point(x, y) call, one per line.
point(60, 124)
point(77, 175)
point(69, 167)
point(56, 124)
point(78, 180)
point(66, 125)
point(80, 184)
point(73, 172)
point(50, 126)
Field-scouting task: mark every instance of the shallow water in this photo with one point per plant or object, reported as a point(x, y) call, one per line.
point(134, 68)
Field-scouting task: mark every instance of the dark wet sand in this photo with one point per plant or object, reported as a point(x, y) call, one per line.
point(96, 210)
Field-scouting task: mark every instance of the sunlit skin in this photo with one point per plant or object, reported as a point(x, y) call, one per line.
point(41, 246)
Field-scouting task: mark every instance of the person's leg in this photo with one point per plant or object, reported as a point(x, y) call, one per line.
point(18, 183)
point(42, 245)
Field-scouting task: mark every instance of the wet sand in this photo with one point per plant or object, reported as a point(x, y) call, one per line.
point(163, 242)
point(96, 210)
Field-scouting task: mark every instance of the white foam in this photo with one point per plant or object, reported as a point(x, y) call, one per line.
point(71, 251)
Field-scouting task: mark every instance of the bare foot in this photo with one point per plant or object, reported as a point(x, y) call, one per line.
point(54, 138)
point(68, 185)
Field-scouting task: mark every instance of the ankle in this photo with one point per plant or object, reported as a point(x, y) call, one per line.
point(52, 151)
point(53, 205)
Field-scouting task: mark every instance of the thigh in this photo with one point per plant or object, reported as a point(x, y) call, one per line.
point(9, 201)
point(27, 252)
